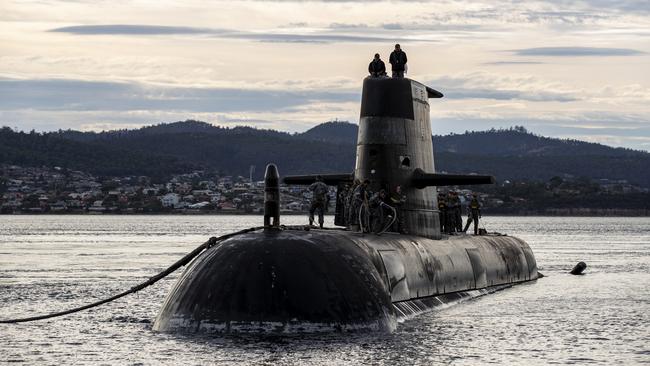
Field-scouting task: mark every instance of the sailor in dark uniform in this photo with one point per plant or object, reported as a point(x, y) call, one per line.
point(474, 213)
point(377, 67)
point(319, 201)
point(442, 212)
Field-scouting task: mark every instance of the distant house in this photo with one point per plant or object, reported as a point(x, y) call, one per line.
point(199, 205)
point(98, 206)
point(202, 192)
point(227, 206)
point(58, 206)
point(170, 200)
point(294, 206)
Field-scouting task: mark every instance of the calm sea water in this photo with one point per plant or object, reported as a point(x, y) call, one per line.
point(51, 263)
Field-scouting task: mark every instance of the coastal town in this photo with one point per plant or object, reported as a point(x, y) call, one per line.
point(29, 190)
point(58, 190)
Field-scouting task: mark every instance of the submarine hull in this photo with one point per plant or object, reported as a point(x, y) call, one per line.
point(335, 280)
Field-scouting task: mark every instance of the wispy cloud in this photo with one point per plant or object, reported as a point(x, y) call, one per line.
point(266, 36)
point(577, 51)
point(81, 95)
point(483, 85)
point(505, 63)
point(134, 29)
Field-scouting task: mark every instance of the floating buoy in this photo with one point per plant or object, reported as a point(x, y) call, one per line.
point(579, 268)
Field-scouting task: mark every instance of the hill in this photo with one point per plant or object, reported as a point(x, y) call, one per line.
point(165, 149)
point(34, 149)
point(516, 154)
point(335, 132)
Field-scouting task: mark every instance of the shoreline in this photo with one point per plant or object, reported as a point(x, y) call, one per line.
point(558, 213)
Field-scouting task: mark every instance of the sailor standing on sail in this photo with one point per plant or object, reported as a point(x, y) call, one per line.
point(318, 200)
point(398, 62)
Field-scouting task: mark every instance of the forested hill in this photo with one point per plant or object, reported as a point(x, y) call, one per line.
point(518, 142)
point(335, 132)
point(166, 149)
point(35, 150)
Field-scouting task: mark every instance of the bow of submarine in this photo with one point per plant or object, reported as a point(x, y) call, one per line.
point(279, 280)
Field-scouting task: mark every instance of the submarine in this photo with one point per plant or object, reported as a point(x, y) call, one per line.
point(307, 279)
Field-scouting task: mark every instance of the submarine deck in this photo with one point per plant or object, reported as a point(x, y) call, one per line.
point(416, 267)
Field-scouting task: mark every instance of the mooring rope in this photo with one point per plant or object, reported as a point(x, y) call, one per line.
point(391, 221)
point(180, 263)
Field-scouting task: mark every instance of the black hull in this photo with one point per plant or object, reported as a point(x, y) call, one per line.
point(324, 280)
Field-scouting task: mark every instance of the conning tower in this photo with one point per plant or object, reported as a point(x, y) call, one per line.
point(394, 148)
point(394, 140)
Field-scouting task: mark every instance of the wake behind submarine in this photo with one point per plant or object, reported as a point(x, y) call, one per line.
point(286, 279)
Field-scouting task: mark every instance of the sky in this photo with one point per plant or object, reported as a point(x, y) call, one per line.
point(560, 68)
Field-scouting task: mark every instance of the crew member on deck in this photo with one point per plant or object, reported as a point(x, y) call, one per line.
point(318, 200)
point(377, 210)
point(442, 212)
point(397, 200)
point(458, 213)
point(360, 206)
point(349, 204)
point(474, 213)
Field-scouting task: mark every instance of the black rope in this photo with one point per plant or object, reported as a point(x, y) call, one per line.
point(180, 263)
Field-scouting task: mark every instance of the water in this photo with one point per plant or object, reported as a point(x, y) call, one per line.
point(52, 263)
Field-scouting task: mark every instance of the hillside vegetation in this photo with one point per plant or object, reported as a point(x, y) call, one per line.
point(166, 149)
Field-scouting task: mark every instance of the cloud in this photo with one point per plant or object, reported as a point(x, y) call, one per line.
point(576, 51)
point(392, 26)
point(80, 95)
point(133, 29)
point(534, 96)
point(149, 30)
point(498, 63)
point(347, 26)
point(316, 38)
point(84, 95)
point(483, 85)
point(632, 6)
point(564, 16)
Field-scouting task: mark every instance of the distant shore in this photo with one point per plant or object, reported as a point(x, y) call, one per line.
point(556, 212)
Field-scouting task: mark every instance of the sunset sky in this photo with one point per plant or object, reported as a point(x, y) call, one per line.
point(569, 69)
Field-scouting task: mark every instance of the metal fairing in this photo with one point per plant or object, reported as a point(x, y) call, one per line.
point(284, 281)
point(415, 267)
point(453, 264)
